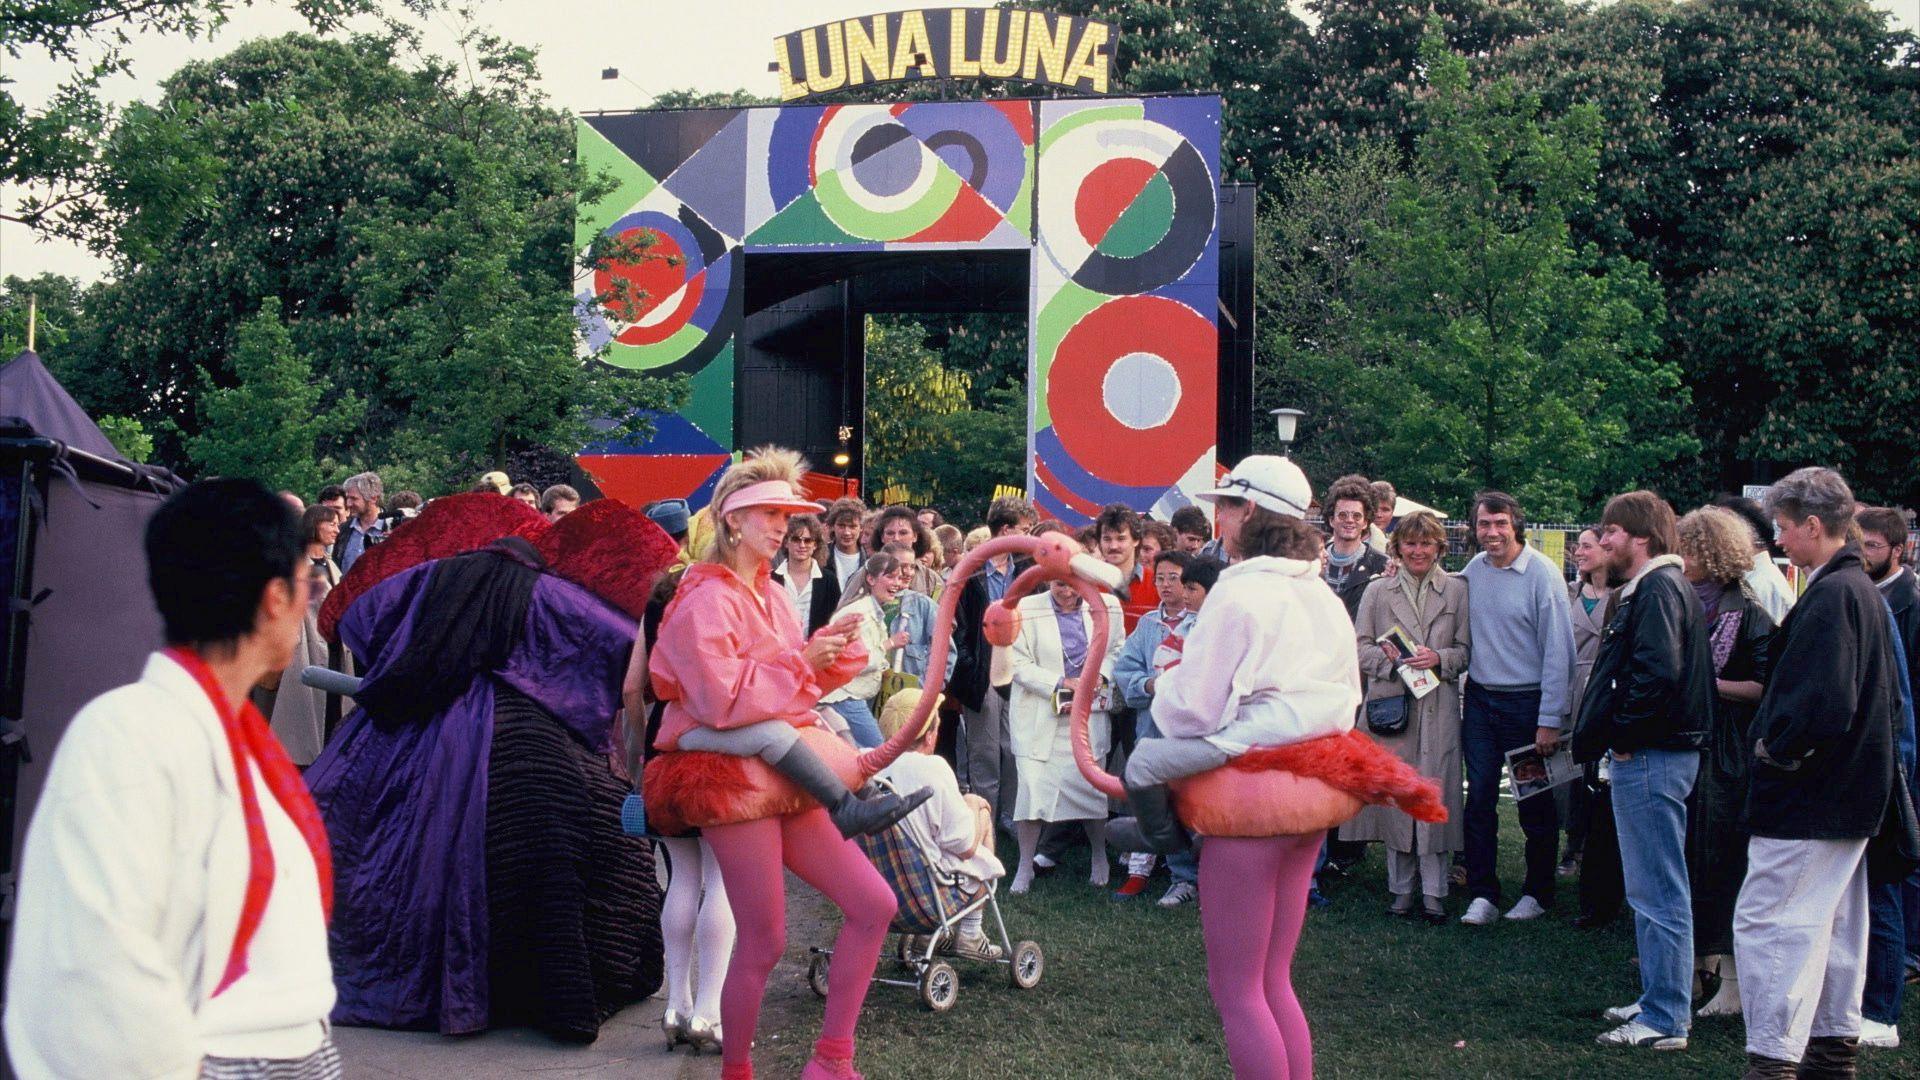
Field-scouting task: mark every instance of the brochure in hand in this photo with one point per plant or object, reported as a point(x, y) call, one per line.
point(1529, 774)
point(1420, 683)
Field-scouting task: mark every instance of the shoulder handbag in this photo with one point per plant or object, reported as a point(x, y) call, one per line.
point(1388, 716)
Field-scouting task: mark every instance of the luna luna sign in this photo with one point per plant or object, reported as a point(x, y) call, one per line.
point(945, 43)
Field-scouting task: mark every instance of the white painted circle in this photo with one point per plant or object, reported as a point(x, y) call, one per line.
point(1141, 390)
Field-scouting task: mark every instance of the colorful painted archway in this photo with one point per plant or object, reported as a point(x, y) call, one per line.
point(1115, 200)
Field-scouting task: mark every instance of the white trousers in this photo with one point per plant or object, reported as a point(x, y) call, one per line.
point(1800, 941)
point(1427, 870)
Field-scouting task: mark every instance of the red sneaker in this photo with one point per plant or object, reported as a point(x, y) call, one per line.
point(1134, 886)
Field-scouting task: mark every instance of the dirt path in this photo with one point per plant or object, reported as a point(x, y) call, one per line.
point(630, 1045)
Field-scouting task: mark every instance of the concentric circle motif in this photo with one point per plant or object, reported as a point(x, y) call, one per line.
point(1150, 357)
point(684, 312)
point(875, 179)
point(1126, 206)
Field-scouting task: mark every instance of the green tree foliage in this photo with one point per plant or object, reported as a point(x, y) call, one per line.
point(1725, 120)
point(416, 227)
point(269, 426)
point(1521, 360)
point(128, 437)
point(53, 150)
point(58, 301)
point(927, 430)
point(1315, 340)
point(1818, 306)
point(1367, 61)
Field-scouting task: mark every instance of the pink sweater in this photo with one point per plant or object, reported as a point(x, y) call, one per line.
point(729, 655)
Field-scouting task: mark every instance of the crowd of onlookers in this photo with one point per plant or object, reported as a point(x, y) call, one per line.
point(1739, 754)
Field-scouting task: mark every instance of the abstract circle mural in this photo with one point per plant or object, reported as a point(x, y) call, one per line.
point(931, 173)
point(1120, 379)
point(1131, 207)
point(1113, 199)
point(668, 309)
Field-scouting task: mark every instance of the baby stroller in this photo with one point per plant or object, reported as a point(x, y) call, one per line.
point(932, 904)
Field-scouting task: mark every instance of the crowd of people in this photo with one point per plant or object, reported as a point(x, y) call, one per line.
point(1743, 758)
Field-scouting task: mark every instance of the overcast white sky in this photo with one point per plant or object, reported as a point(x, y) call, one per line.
point(706, 44)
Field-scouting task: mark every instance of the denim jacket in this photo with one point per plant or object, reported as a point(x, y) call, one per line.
point(917, 619)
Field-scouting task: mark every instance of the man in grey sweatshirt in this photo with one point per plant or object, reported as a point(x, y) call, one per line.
point(1518, 678)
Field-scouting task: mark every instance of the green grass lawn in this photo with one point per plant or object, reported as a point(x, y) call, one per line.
point(1125, 995)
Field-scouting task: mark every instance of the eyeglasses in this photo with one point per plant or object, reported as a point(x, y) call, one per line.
point(801, 540)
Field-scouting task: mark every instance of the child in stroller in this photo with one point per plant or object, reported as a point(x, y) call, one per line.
point(939, 860)
point(954, 830)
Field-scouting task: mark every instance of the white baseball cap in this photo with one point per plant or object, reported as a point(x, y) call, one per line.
point(1274, 483)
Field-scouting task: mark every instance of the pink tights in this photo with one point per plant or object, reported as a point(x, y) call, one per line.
point(750, 856)
point(1253, 900)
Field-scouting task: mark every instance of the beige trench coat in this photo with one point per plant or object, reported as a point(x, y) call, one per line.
point(1586, 645)
point(1431, 742)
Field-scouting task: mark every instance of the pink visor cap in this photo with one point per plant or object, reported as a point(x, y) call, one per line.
point(774, 493)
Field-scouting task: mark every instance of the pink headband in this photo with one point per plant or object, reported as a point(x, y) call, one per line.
point(767, 493)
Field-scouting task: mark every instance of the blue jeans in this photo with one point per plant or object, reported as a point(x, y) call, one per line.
point(1910, 901)
point(1886, 953)
point(1496, 722)
point(1650, 811)
point(860, 721)
point(1186, 865)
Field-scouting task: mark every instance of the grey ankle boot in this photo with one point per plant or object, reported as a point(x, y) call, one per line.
point(1154, 820)
point(851, 814)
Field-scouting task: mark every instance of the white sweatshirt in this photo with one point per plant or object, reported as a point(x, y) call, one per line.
point(1271, 660)
point(131, 885)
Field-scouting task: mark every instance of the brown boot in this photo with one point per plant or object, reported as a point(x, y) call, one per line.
point(1766, 1068)
point(1830, 1057)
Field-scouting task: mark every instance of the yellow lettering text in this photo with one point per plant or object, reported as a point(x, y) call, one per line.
point(959, 64)
point(913, 42)
point(1086, 63)
point(834, 75)
point(1000, 58)
point(783, 56)
point(1046, 48)
point(868, 58)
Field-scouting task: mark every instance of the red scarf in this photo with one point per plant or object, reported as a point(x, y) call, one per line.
point(252, 743)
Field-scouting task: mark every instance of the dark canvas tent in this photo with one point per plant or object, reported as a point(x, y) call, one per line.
point(80, 619)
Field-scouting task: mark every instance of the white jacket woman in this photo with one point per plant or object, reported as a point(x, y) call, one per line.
point(1050, 785)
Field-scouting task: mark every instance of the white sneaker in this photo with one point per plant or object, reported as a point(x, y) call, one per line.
point(1527, 908)
point(1181, 893)
point(1621, 1014)
point(1878, 1035)
point(1636, 1034)
point(1481, 913)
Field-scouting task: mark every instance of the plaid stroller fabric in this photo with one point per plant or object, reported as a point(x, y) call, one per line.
point(906, 869)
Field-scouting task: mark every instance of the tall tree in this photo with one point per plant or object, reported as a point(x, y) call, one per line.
point(1314, 323)
point(1708, 107)
point(53, 150)
point(268, 426)
point(1523, 360)
point(416, 226)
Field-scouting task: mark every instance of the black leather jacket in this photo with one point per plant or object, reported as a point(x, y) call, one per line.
point(1652, 682)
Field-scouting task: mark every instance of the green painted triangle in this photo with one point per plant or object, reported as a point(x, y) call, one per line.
point(633, 183)
point(710, 403)
point(1143, 222)
point(802, 222)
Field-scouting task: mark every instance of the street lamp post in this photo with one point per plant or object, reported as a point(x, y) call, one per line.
point(1286, 424)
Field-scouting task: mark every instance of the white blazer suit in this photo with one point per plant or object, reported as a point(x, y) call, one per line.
point(1051, 787)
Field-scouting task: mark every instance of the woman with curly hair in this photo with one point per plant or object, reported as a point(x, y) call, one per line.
point(1718, 548)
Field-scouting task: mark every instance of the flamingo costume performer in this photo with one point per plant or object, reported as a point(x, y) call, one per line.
point(1264, 815)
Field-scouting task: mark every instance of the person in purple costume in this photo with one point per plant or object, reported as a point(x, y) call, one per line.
point(482, 878)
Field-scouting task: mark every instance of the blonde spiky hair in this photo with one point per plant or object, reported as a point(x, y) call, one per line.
point(760, 464)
